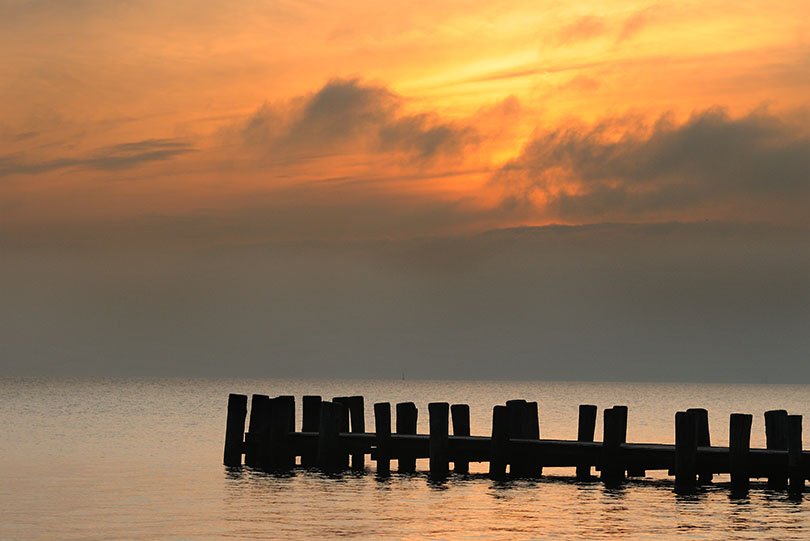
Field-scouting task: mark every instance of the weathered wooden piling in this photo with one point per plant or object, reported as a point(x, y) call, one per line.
point(257, 427)
point(343, 422)
point(586, 427)
point(382, 427)
point(739, 442)
point(776, 438)
point(613, 437)
point(794, 448)
point(330, 451)
point(518, 411)
point(358, 425)
point(235, 429)
point(311, 415)
point(439, 450)
point(703, 440)
point(499, 443)
point(407, 417)
point(635, 471)
point(685, 452)
point(276, 452)
point(460, 414)
point(531, 431)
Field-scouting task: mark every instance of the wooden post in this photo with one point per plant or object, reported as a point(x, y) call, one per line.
point(460, 414)
point(739, 446)
point(586, 427)
point(794, 437)
point(438, 413)
point(343, 423)
point(518, 464)
point(531, 430)
point(358, 424)
point(407, 416)
point(310, 423)
point(382, 427)
point(776, 438)
point(499, 445)
point(685, 452)
point(235, 429)
point(621, 413)
point(612, 464)
point(330, 451)
point(282, 423)
point(257, 427)
point(703, 440)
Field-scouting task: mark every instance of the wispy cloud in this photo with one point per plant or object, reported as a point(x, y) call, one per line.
point(111, 158)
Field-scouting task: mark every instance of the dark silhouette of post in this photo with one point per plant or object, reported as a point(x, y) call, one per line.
point(739, 453)
point(531, 430)
point(794, 447)
point(621, 412)
point(439, 444)
point(382, 428)
point(258, 425)
point(343, 423)
point(330, 451)
point(776, 438)
point(460, 414)
point(277, 454)
point(358, 425)
point(685, 452)
point(586, 426)
point(235, 429)
point(311, 415)
point(518, 463)
point(703, 440)
point(407, 416)
point(612, 460)
point(499, 443)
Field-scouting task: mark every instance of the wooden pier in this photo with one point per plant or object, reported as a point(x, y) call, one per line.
point(333, 438)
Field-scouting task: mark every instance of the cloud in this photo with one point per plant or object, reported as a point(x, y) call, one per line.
point(111, 158)
point(348, 115)
point(755, 167)
point(583, 29)
point(637, 22)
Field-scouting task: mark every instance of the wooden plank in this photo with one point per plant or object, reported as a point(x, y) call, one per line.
point(518, 461)
point(776, 438)
point(739, 453)
point(407, 416)
point(586, 427)
point(460, 414)
point(438, 414)
point(382, 427)
point(235, 429)
point(343, 422)
point(534, 461)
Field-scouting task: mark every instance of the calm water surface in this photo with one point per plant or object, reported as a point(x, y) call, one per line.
point(141, 459)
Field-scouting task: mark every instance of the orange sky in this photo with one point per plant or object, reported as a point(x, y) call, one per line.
point(255, 121)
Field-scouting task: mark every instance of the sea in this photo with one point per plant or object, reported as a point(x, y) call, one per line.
point(104, 459)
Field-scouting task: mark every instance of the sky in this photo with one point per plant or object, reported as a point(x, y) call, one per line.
point(548, 190)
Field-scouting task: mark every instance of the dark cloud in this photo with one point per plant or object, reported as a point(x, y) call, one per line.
point(349, 115)
point(755, 167)
point(583, 29)
point(116, 157)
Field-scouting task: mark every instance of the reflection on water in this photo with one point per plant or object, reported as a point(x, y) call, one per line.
point(141, 459)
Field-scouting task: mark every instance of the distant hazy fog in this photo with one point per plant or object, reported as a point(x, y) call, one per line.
point(615, 302)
